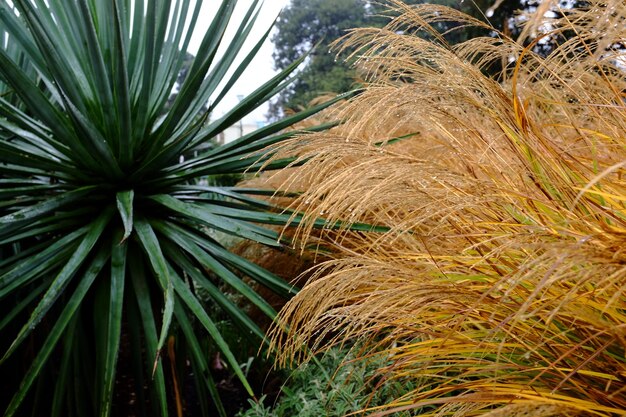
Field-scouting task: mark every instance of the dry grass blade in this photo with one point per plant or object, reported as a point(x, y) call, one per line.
point(501, 287)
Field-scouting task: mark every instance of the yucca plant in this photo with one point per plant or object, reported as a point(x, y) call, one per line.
point(106, 235)
point(501, 288)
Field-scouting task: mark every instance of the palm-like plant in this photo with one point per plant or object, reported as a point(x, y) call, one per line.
point(105, 235)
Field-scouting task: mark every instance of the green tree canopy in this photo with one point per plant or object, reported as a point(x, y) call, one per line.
point(304, 24)
point(307, 23)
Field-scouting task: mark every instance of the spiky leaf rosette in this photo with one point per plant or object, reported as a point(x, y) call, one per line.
point(501, 289)
point(105, 232)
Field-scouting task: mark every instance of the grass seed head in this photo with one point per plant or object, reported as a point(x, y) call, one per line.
point(501, 285)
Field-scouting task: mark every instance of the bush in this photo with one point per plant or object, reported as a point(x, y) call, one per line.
point(335, 385)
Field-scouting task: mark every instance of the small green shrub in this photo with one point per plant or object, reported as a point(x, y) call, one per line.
point(334, 385)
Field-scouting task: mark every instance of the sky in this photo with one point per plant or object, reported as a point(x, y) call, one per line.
point(261, 68)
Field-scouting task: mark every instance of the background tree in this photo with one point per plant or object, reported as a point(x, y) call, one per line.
point(306, 23)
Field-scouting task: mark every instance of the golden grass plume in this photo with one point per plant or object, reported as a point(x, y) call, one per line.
point(500, 288)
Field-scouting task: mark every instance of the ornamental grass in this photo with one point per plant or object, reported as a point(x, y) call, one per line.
point(499, 287)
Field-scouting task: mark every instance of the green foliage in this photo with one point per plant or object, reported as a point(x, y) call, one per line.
point(335, 385)
point(303, 25)
point(105, 235)
point(307, 23)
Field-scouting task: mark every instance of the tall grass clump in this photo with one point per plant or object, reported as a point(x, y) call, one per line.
point(500, 287)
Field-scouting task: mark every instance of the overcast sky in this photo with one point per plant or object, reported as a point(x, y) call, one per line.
point(261, 69)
